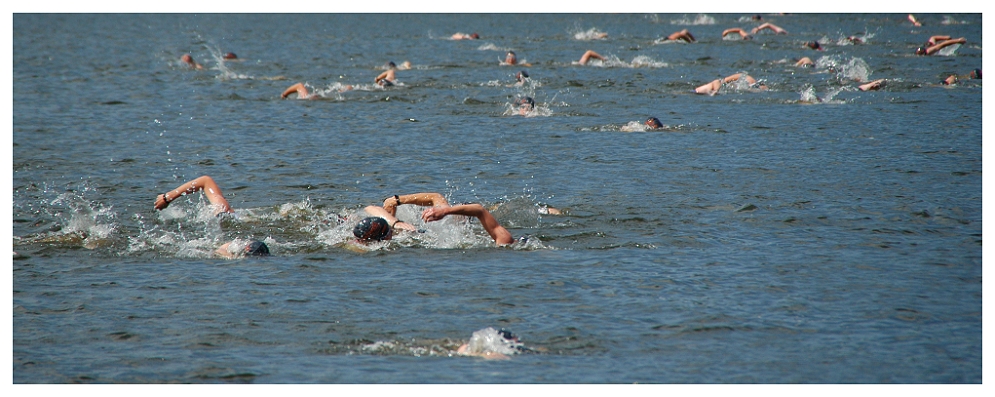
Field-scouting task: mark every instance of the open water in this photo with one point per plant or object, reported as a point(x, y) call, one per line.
point(807, 233)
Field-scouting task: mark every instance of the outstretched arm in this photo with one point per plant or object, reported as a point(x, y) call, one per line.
point(424, 199)
point(500, 235)
point(299, 88)
point(588, 55)
point(205, 183)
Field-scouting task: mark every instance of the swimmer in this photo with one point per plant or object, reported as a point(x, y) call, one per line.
point(682, 35)
point(874, 85)
point(854, 40)
point(975, 74)
point(654, 123)
point(388, 77)
point(742, 33)
point(521, 78)
point(230, 56)
point(463, 36)
point(805, 62)
point(767, 25)
point(950, 80)
point(915, 22)
point(302, 92)
point(233, 249)
point(439, 209)
point(588, 55)
point(512, 59)
point(492, 344)
point(525, 105)
point(814, 45)
point(713, 87)
point(930, 50)
point(187, 59)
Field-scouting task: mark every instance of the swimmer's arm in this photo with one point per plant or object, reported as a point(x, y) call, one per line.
point(205, 183)
point(380, 77)
point(424, 199)
point(222, 251)
point(500, 235)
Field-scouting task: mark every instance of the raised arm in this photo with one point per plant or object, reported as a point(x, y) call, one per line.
point(500, 235)
point(205, 183)
point(424, 199)
point(298, 88)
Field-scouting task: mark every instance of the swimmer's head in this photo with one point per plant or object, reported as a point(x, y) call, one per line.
point(510, 58)
point(521, 76)
point(230, 55)
point(526, 104)
point(813, 45)
point(975, 74)
point(757, 17)
point(372, 228)
point(391, 65)
point(475, 36)
point(507, 335)
point(256, 248)
point(654, 122)
point(921, 51)
point(186, 58)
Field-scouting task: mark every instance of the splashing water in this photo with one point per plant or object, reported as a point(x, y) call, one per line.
point(489, 340)
point(590, 34)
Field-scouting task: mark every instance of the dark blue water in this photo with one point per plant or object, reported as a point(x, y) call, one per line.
point(807, 233)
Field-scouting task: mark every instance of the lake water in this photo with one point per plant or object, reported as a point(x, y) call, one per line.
point(806, 233)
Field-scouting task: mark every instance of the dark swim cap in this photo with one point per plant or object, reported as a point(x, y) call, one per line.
point(391, 64)
point(654, 122)
point(256, 248)
point(372, 228)
point(813, 45)
point(475, 35)
point(976, 74)
point(527, 102)
point(522, 75)
point(230, 55)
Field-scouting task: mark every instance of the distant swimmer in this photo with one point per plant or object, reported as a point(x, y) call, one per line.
point(588, 55)
point(742, 33)
point(439, 208)
point(464, 36)
point(221, 207)
point(511, 59)
point(525, 105)
point(772, 27)
point(975, 74)
point(713, 87)
point(682, 35)
point(230, 56)
point(930, 50)
point(302, 92)
point(950, 80)
point(187, 59)
point(814, 45)
point(654, 123)
point(915, 22)
point(805, 62)
point(521, 78)
point(388, 77)
point(872, 86)
point(492, 344)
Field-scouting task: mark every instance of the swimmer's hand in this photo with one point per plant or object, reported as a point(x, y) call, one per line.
point(160, 202)
point(434, 213)
point(405, 226)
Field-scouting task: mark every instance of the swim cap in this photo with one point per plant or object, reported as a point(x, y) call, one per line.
point(527, 102)
point(391, 64)
point(230, 55)
point(813, 45)
point(256, 248)
point(920, 51)
point(522, 75)
point(372, 228)
point(976, 74)
point(654, 122)
point(475, 35)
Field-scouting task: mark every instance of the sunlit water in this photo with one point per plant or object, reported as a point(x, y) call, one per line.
point(808, 232)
